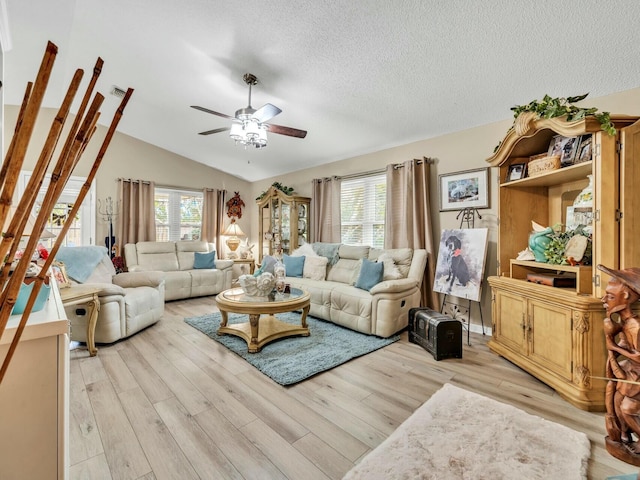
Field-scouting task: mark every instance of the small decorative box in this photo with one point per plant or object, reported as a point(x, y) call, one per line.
point(539, 164)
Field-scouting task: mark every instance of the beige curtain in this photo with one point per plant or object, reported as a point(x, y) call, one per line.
point(137, 219)
point(213, 216)
point(408, 217)
point(325, 210)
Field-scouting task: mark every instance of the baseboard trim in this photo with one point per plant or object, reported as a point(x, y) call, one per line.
point(474, 328)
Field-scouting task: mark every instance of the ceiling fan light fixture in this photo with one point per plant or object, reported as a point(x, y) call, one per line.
point(236, 132)
point(249, 133)
point(251, 129)
point(249, 126)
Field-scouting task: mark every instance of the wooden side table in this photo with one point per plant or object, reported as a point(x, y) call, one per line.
point(86, 295)
point(246, 261)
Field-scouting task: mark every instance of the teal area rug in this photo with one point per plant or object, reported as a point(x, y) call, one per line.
point(293, 359)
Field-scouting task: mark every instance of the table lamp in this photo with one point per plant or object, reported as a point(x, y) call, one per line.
point(233, 231)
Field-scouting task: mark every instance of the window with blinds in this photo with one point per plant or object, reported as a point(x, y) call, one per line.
point(362, 210)
point(178, 214)
point(82, 227)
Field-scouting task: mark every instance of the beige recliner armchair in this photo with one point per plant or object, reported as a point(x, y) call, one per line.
point(129, 302)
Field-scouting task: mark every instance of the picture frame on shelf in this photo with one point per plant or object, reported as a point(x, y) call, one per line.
point(465, 189)
point(566, 147)
point(516, 171)
point(584, 153)
point(59, 273)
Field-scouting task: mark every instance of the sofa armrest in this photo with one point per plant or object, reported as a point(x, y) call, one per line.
point(223, 264)
point(106, 289)
point(139, 279)
point(394, 286)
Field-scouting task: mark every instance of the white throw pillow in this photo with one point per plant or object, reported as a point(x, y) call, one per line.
point(391, 271)
point(304, 250)
point(315, 268)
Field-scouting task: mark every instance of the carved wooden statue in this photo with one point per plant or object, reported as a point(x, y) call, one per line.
point(622, 335)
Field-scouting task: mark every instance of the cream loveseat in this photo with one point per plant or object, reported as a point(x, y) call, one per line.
point(129, 302)
point(332, 276)
point(190, 267)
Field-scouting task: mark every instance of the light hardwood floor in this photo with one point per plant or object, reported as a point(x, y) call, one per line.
point(172, 403)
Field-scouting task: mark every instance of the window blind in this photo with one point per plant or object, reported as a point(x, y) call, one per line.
point(362, 210)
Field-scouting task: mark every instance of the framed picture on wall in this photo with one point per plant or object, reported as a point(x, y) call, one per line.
point(467, 189)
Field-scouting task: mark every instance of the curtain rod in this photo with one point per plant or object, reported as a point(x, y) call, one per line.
point(171, 187)
point(383, 170)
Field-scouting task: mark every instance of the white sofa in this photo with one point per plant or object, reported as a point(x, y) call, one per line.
point(176, 260)
point(382, 310)
point(129, 302)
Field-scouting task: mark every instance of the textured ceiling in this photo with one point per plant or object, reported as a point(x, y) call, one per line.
point(360, 76)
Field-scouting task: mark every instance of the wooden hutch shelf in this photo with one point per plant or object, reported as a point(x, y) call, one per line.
point(556, 333)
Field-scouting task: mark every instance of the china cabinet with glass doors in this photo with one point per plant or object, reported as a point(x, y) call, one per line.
point(284, 222)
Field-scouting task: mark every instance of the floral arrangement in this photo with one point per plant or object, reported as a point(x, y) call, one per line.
point(118, 264)
point(283, 188)
point(41, 253)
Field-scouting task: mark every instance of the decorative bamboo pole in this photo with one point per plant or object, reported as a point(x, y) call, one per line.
point(25, 100)
point(23, 135)
point(10, 241)
point(83, 191)
point(59, 177)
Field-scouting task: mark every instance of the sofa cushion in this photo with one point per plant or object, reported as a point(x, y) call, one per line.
point(346, 271)
point(306, 250)
point(204, 260)
point(391, 270)
point(370, 274)
point(353, 252)
point(402, 257)
point(185, 250)
point(293, 265)
point(315, 268)
point(157, 256)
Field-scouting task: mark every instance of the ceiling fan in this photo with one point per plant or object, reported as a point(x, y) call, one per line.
point(248, 126)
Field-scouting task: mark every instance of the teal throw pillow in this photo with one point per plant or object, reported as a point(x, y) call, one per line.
point(293, 265)
point(204, 260)
point(370, 274)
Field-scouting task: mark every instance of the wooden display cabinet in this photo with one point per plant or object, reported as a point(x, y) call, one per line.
point(556, 333)
point(284, 222)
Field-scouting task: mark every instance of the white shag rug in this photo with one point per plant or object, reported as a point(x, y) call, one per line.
point(459, 434)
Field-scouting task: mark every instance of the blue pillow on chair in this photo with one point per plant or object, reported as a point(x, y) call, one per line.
point(204, 260)
point(293, 265)
point(370, 274)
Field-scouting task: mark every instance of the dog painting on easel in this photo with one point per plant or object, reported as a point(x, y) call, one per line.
point(461, 260)
point(458, 270)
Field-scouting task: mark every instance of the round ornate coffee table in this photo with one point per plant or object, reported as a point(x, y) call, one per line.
point(262, 326)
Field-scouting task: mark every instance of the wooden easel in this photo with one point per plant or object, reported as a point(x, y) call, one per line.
point(454, 309)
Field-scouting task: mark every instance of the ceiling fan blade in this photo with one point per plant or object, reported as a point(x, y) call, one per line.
point(206, 110)
point(266, 112)
point(291, 132)
point(215, 130)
